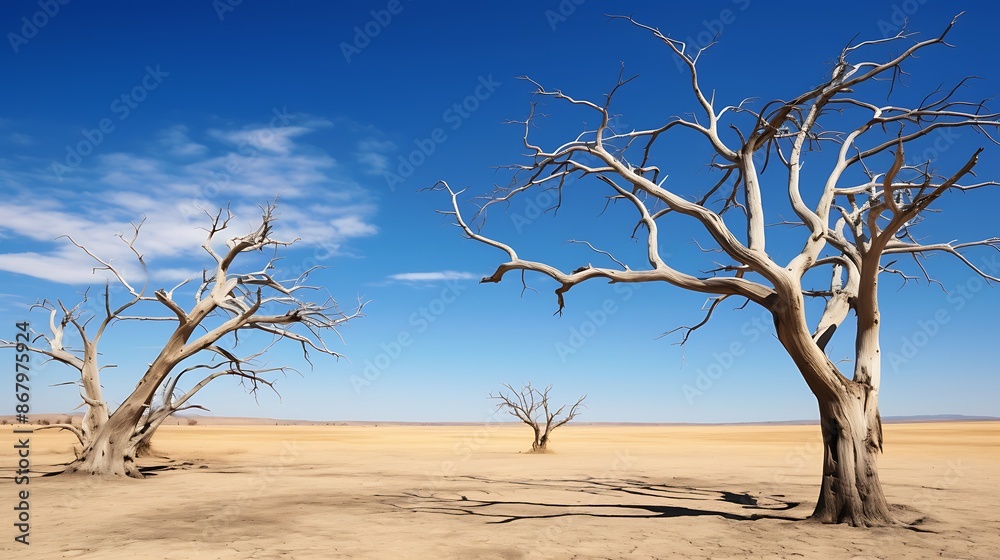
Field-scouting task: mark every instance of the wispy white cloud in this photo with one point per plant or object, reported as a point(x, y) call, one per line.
point(19, 139)
point(373, 155)
point(176, 141)
point(353, 226)
point(10, 302)
point(433, 276)
point(177, 274)
point(268, 139)
point(13, 136)
point(62, 266)
point(169, 193)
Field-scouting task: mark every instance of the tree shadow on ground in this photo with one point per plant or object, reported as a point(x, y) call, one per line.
point(610, 498)
point(161, 464)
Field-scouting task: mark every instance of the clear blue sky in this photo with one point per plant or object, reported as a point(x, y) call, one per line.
point(111, 111)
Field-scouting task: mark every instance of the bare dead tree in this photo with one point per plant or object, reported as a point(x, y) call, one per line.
point(867, 204)
point(226, 303)
point(531, 406)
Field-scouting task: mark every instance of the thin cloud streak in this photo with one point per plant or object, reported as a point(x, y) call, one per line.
point(432, 276)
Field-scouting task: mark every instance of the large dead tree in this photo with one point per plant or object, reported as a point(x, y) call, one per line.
point(531, 406)
point(861, 210)
point(203, 340)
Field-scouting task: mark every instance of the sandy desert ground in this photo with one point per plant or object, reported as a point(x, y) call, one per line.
point(237, 492)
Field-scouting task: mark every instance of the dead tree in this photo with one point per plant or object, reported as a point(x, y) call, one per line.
point(866, 203)
point(203, 340)
point(531, 406)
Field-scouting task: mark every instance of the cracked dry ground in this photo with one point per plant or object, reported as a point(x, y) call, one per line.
point(237, 492)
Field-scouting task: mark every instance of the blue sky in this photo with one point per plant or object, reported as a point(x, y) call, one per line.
point(115, 111)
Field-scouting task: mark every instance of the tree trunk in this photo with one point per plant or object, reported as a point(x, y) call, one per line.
point(113, 449)
point(97, 409)
point(538, 438)
point(849, 418)
point(95, 417)
point(543, 443)
point(852, 439)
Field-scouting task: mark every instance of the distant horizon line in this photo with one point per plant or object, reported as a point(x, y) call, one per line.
point(260, 420)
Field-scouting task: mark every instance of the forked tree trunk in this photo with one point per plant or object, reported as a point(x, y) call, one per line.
point(851, 425)
point(537, 444)
point(849, 420)
point(852, 439)
point(543, 443)
point(113, 449)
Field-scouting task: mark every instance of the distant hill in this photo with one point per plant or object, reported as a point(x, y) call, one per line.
point(200, 420)
point(938, 418)
point(886, 420)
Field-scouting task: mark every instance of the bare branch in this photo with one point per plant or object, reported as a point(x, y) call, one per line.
point(951, 248)
point(67, 427)
point(708, 315)
point(660, 272)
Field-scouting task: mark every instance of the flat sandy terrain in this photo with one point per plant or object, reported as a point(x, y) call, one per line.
point(235, 492)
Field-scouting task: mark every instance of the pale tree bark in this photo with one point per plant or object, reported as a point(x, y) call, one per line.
point(865, 207)
point(226, 303)
point(84, 361)
point(173, 402)
point(531, 406)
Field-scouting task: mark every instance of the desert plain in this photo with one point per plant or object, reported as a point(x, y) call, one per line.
point(231, 491)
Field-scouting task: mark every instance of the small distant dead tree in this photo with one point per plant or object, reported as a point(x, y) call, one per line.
point(531, 406)
point(226, 303)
